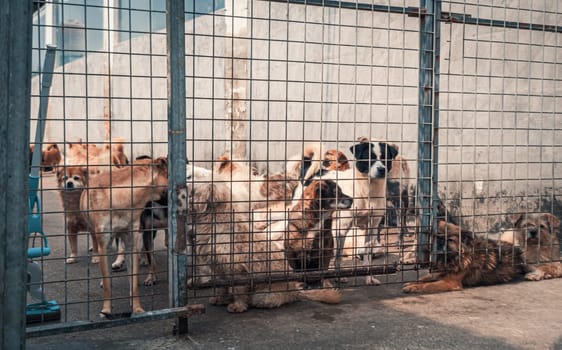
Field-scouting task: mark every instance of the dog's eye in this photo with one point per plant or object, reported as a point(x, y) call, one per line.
point(65, 177)
point(76, 178)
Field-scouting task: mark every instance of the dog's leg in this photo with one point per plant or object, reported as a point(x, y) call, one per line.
point(369, 245)
point(119, 263)
point(544, 271)
point(241, 299)
point(148, 247)
point(104, 270)
point(430, 277)
point(341, 225)
point(95, 249)
point(448, 284)
point(73, 243)
point(137, 308)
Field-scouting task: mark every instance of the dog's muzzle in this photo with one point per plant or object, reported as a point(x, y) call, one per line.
point(378, 170)
point(532, 233)
point(345, 203)
point(69, 185)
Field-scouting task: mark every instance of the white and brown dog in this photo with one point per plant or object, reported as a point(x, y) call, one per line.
point(227, 247)
point(113, 204)
point(267, 197)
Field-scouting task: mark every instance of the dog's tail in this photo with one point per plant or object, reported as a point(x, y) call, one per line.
point(304, 166)
point(116, 144)
point(326, 296)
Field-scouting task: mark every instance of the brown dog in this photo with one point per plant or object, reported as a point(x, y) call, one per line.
point(96, 158)
point(309, 243)
point(50, 157)
point(465, 261)
point(113, 204)
point(72, 181)
point(538, 236)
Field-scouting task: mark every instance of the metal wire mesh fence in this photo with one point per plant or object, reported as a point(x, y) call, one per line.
point(310, 145)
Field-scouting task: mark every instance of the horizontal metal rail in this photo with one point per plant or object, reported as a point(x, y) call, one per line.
point(300, 276)
point(448, 17)
point(121, 320)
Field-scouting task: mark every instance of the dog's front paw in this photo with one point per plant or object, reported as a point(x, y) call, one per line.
point(534, 276)
point(237, 307)
point(150, 280)
point(372, 281)
point(118, 265)
point(105, 313)
point(95, 259)
point(412, 287)
point(138, 310)
point(409, 258)
point(71, 259)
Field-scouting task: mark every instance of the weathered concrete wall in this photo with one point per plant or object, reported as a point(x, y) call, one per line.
point(500, 117)
point(296, 74)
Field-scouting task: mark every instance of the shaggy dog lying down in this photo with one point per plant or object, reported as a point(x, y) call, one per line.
point(225, 242)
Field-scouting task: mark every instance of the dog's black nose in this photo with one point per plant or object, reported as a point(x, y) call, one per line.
point(533, 232)
point(69, 185)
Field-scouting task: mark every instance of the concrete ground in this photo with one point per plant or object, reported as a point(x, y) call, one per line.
point(521, 315)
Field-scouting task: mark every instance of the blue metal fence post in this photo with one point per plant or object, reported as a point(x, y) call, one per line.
point(15, 80)
point(430, 14)
point(175, 35)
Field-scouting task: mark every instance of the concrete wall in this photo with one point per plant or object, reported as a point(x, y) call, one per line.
point(292, 74)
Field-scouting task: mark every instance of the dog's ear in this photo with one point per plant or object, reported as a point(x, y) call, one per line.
point(363, 139)
point(388, 150)
point(85, 174)
point(363, 153)
point(224, 164)
point(161, 163)
point(361, 150)
point(552, 220)
point(515, 218)
point(60, 173)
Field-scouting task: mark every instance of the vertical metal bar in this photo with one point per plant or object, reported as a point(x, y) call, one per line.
point(15, 80)
point(175, 35)
point(46, 79)
point(428, 90)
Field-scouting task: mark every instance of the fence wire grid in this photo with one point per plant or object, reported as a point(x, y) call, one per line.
point(289, 146)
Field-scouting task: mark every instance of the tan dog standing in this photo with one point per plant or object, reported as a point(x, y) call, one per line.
point(72, 181)
point(114, 203)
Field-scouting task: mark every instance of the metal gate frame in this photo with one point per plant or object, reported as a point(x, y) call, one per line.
point(431, 16)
